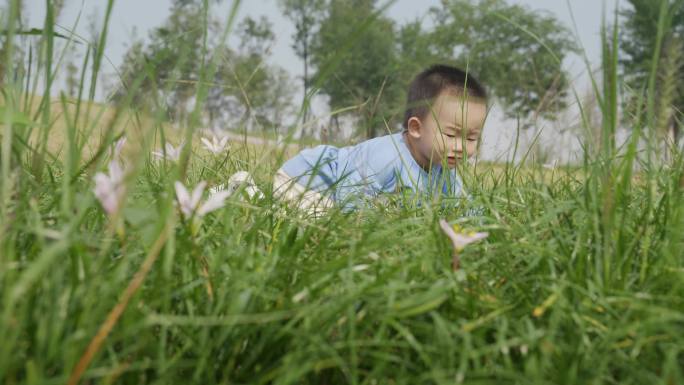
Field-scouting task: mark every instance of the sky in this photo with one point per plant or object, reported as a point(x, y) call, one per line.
point(133, 19)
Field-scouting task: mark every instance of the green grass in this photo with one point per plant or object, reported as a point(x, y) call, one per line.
point(580, 281)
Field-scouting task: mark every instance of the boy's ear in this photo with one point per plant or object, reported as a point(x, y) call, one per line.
point(415, 127)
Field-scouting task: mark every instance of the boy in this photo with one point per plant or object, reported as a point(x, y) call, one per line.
point(445, 113)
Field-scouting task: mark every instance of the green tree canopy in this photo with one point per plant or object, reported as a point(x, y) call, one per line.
point(244, 90)
point(516, 52)
point(356, 59)
point(169, 61)
point(305, 14)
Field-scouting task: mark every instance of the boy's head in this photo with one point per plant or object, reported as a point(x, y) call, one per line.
point(445, 111)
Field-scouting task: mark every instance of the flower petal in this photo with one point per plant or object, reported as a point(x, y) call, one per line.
point(448, 230)
point(106, 192)
point(252, 190)
point(223, 142)
point(214, 202)
point(118, 146)
point(460, 240)
point(182, 194)
point(218, 188)
point(197, 194)
point(116, 172)
point(207, 143)
point(240, 177)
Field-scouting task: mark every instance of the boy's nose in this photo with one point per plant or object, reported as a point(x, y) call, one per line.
point(459, 146)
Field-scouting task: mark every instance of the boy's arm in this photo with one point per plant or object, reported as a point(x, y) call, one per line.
point(313, 168)
point(366, 173)
point(465, 199)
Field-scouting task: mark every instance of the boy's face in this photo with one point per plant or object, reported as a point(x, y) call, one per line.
point(449, 132)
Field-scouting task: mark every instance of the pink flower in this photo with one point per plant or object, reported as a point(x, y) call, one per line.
point(459, 239)
point(170, 152)
point(110, 189)
point(118, 146)
point(189, 203)
point(215, 145)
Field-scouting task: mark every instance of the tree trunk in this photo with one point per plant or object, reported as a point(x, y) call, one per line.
point(305, 104)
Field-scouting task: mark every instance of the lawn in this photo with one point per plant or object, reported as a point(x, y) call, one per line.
point(580, 281)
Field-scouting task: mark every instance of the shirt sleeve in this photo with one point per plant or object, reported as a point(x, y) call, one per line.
point(314, 168)
point(365, 171)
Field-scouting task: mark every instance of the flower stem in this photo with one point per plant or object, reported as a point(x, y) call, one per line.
point(456, 261)
point(116, 312)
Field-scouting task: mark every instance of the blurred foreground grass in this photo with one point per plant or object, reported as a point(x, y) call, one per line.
point(580, 281)
point(555, 295)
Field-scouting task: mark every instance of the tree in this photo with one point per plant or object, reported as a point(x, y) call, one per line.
point(516, 52)
point(248, 91)
point(362, 52)
point(12, 53)
point(168, 66)
point(638, 43)
point(305, 14)
point(133, 68)
point(244, 90)
point(176, 51)
point(72, 74)
point(417, 50)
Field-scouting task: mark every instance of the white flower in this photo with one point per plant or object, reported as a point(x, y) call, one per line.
point(172, 153)
point(458, 238)
point(215, 145)
point(215, 189)
point(214, 202)
point(189, 203)
point(109, 189)
point(360, 267)
point(300, 296)
point(244, 179)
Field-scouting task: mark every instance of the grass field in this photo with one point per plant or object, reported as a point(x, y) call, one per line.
point(581, 280)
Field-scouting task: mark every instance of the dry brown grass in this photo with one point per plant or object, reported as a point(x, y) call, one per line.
point(97, 121)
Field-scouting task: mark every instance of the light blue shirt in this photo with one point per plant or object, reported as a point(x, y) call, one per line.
point(350, 174)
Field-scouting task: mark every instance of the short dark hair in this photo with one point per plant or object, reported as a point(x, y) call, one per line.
point(427, 85)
